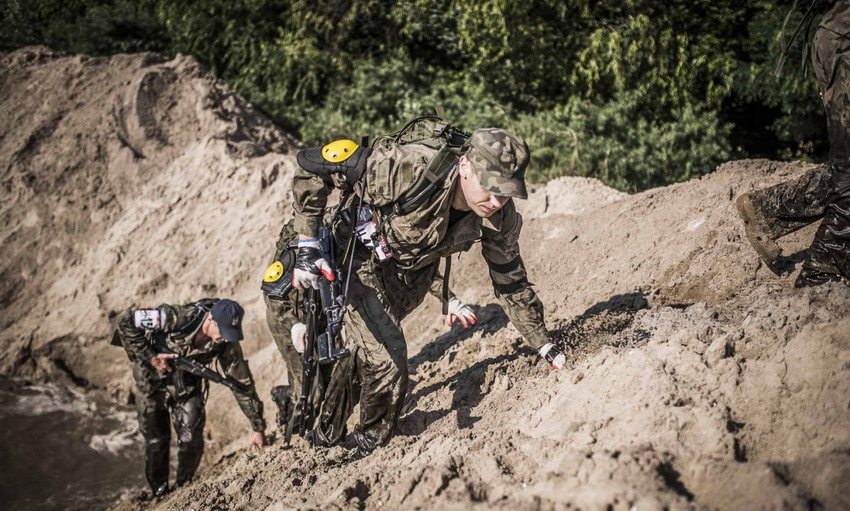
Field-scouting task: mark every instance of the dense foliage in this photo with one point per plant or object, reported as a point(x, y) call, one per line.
point(638, 93)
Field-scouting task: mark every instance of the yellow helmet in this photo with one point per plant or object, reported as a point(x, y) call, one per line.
point(339, 150)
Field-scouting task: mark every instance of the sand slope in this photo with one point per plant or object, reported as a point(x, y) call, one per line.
point(696, 378)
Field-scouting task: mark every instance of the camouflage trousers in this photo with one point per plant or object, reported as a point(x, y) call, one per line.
point(375, 375)
point(829, 256)
point(154, 399)
point(831, 63)
point(381, 296)
point(823, 193)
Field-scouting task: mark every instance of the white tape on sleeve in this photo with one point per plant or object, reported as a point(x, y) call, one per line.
point(149, 319)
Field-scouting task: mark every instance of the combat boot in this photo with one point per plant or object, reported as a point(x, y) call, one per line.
point(809, 277)
point(282, 397)
point(159, 491)
point(757, 228)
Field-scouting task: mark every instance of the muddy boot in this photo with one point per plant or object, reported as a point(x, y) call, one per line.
point(159, 491)
point(809, 277)
point(365, 446)
point(757, 228)
point(282, 397)
point(781, 209)
point(316, 438)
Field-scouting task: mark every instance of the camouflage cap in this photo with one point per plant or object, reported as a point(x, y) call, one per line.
point(500, 159)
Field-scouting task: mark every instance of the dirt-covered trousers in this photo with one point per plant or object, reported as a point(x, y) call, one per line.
point(281, 316)
point(380, 297)
point(829, 254)
point(153, 399)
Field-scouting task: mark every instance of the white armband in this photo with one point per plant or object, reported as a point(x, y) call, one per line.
point(149, 319)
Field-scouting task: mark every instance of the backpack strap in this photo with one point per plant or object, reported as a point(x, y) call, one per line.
point(202, 306)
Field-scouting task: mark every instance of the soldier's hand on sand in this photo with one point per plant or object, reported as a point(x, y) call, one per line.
point(553, 355)
point(258, 440)
point(160, 361)
point(462, 312)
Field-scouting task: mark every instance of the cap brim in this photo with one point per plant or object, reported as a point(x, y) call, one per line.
point(504, 187)
point(230, 334)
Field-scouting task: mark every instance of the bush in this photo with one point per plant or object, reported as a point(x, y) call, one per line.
point(634, 92)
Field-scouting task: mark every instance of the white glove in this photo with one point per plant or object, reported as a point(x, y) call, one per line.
point(308, 263)
point(461, 311)
point(299, 336)
point(553, 355)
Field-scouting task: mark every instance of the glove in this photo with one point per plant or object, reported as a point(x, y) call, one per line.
point(461, 311)
point(298, 333)
point(553, 355)
point(308, 264)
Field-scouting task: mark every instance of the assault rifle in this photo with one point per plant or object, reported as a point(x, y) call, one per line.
point(182, 364)
point(320, 348)
point(333, 304)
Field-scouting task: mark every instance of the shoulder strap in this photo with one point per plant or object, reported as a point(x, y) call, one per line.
point(202, 306)
point(205, 303)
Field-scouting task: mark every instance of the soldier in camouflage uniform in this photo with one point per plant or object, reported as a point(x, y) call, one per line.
point(203, 331)
point(823, 192)
point(286, 321)
point(474, 203)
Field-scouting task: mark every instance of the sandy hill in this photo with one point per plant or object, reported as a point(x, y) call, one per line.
point(697, 378)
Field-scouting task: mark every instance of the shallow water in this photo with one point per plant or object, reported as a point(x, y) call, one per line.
point(63, 449)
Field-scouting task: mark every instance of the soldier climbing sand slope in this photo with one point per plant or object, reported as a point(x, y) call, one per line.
point(169, 348)
point(285, 315)
point(415, 204)
point(823, 193)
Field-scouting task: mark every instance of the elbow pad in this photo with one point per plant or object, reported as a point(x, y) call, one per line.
point(340, 157)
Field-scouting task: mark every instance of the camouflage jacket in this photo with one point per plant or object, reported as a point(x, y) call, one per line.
point(423, 236)
point(181, 324)
point(287, 240)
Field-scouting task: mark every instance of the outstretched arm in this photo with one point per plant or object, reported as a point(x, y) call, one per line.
point(510, 279)
point(236, 367)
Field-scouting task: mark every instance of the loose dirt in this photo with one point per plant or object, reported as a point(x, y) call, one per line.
point(696, 377)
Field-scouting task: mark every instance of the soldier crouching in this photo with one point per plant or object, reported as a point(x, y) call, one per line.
point(202, 332)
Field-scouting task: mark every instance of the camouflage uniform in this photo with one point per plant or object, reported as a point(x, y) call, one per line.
point(382, 294)
point(339, 389)
point(183, 393)
point(823, 192)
